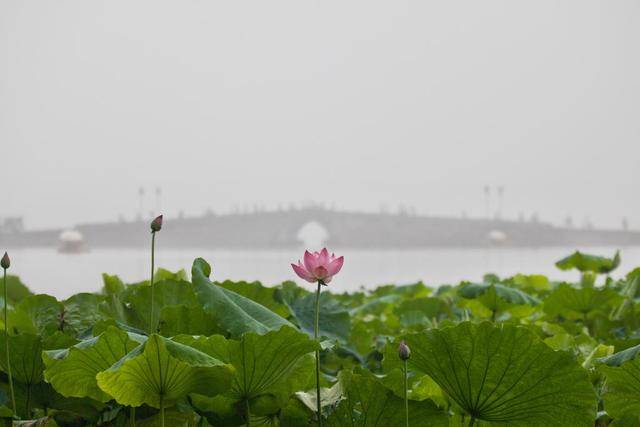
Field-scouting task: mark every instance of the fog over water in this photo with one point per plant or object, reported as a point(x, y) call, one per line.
point(44, 270)
point(227, 105)
point(114, 110)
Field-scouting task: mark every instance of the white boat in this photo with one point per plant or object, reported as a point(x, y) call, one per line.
point(72, 242)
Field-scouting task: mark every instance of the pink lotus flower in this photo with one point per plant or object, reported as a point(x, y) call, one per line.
point(318, 266)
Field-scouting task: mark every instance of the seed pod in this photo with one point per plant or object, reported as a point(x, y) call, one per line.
point(5, 262)
point(156, 224)
point(404, 352)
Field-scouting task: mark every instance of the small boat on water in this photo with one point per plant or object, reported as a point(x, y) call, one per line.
point(72, 242)
point(497, 237)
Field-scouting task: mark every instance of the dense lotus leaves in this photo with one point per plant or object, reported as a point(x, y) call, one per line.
point(161, 370)
point(72, 372)
point(419, 311)
point(421, 386)
point(491, 301)
point(335, 320)
point(243, 326)
point(570, 302)
point(180, 319)
point(591, 263)
point(68, 411)
point(167, 293)
point(38, 314)
point(276, 362)
point(532, 283)
point(622, 390)
point(368, 403)
point(511, 295)
point(415, 290)
point(628, 293)
point(505, 374)
point(80, 312)
point(43, 314)
point(231, 311)
point(376, 305)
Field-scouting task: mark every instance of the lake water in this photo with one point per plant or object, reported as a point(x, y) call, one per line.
point(46, 271)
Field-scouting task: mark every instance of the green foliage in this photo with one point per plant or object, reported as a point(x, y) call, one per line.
point(368, 403)
point(505, 374)
point(72, 371)
point(521, 351)
point(233, 312)
point(160, 370)
point(622, 391)
point(591, 263)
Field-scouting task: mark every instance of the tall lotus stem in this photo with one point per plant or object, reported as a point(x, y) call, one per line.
point(5, 262)
point(132, 416)
point(161, 410)
point(247, 412)
point(404, 353)
point(318, 268)
point(156, 225)
point(315, 337)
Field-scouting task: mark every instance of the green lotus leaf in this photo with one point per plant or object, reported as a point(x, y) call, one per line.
point(231, 311)
point(592, 263)
point(255, 291)
point(414, 290)
point(16, 290)
point(368, 403)
point(329, 396)
point(335, 320)
point(508, 294)
point(111, 284)
point(277, 362)
point(25, 357)
point(570, 302)
point(38, 314)
point(166, 293)
point(180, 319)
point(419, 311)
point(164, 274)
point(376, 305)
point(72, 372)
point(622, 391)
point(80, 312)
point(420, 385)
point(505, 374)
point(161, 370)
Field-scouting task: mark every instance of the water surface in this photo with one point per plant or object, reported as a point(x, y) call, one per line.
point(46, 271)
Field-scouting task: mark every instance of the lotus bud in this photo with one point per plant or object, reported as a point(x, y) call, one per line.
point(404, 352)
point(156, 224)
point(5, 262)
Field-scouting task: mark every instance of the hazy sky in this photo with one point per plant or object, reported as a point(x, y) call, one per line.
point(355, 103)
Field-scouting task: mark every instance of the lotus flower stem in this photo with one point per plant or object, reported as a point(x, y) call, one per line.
point(315, 336)
point(406, 395)
point(161, 410)
point(319, 268)
point(472, 421)
point(153, 250)
point(5, 264)
point(132, 416)
point(156, 225)
point(404, 353)
point(247, 412)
